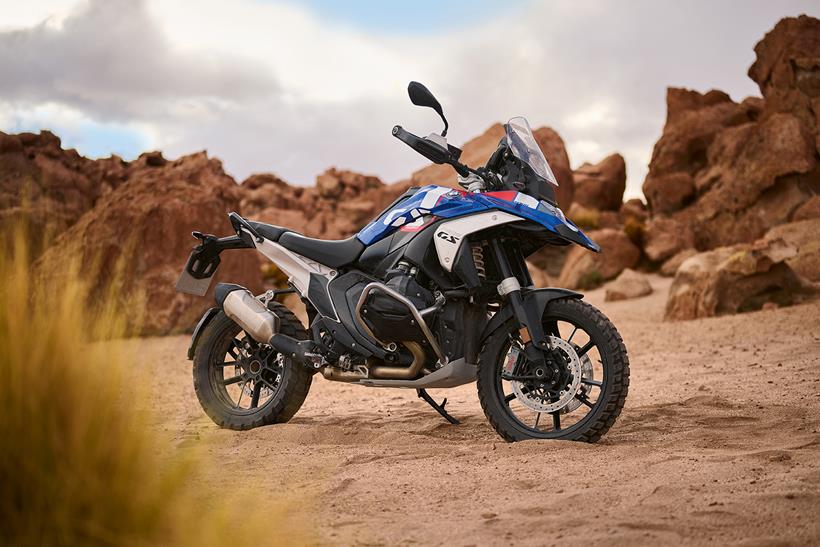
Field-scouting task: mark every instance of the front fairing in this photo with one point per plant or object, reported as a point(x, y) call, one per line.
point(444, 202)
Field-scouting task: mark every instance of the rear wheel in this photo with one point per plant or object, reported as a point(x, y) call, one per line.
point(242, 384)
point(576, 396)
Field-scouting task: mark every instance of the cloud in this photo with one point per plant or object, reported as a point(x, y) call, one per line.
point(277, 87)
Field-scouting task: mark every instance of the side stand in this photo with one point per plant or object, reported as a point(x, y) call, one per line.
point(438, 407)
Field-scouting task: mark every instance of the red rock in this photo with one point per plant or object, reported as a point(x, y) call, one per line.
point(584, 269)
point(146, 225)
point(804, 236)
point(630, 284)
point(669, 193)
point(634, 209)
point(671, 265)
point(787, 68)
point(665, 237)
point(601, 186)
point(735, 279)
point(809, 209)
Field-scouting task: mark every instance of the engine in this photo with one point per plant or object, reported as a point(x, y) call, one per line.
point(389, 319)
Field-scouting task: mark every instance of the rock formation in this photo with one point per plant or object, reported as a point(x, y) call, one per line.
point(139, 235)
point(51, 186)
point(737, 278)
point(630, 284)
point(584, 269)
point(725, 172)
point(601, 186)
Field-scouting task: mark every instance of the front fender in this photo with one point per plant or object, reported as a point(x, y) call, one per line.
point(203, 322)
point(535, 300)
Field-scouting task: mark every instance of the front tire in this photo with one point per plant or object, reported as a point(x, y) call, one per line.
point(516, 409)
point(242, 384)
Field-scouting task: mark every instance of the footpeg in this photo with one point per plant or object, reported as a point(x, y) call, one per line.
point(438, 407)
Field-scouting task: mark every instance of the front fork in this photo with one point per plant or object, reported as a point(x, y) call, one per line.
point(526, 313)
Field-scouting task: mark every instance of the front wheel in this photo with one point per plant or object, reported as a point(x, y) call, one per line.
point(576, 395)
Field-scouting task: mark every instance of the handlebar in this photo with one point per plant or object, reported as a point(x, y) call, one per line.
point(430, 150)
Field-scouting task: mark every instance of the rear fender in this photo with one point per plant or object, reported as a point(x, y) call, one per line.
point(535, 301)
point(206, 318)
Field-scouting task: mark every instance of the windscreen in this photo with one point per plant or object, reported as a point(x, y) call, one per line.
point(524, 147)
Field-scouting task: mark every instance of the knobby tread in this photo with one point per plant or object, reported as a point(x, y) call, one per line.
point(288, 399)
point(617, 375)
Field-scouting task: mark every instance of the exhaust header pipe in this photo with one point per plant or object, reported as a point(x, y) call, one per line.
point(247, 311)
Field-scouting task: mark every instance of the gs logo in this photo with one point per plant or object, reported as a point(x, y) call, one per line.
point(447, 237)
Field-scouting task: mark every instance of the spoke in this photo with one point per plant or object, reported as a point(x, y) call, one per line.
point(234, 380)
point(556, 420)
point(537, 419)
point(588, 346)
point(584, 400)
point(229, 364)
point(257, 389)
point(268, 384)
point(509, 398)
point(589, 382)
point(232, 349)
point(552, 328)
point(573, 334)
point(241, 393)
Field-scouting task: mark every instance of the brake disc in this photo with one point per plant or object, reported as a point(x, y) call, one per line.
point(565, 396)
point(586, 374)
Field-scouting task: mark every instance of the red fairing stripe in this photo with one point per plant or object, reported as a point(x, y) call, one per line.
point(407, 228)
point(506, 195)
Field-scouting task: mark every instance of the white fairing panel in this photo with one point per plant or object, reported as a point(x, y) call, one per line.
point(449, 235)
point(296, 267)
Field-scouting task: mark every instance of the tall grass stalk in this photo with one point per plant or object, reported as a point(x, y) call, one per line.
point(78, 466)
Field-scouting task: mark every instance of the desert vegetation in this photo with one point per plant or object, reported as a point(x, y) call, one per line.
point(79, 465)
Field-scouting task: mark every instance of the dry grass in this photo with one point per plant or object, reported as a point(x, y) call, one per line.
point(78, 465)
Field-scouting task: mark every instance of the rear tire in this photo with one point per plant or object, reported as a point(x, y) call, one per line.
point(610, 391)
point(287, 397)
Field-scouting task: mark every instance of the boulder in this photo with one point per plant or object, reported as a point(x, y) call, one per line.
point(671, 265)
point(584, 269)
point(601, 186)
point(633, 209)
point(787, 69)
point(139, 235)
point(477, 151)
point(669, 193)
point(809, 209)
point(724, 173)
point(735, 279)
point(667, 236)
point(804, 236)
point(630, 284)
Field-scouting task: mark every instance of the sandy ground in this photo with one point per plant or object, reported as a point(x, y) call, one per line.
point(719, 443)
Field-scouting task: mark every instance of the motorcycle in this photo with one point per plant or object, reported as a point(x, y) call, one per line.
point(433, 293)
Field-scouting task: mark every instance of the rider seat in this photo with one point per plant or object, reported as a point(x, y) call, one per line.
point(332, 253)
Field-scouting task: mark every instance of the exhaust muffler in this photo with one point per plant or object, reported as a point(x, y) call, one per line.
point(262, 325)
point(247, 311)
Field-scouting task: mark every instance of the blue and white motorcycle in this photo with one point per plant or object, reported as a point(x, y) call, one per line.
point(434, 293)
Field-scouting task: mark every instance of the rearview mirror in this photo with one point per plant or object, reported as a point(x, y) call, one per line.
point(421, 96)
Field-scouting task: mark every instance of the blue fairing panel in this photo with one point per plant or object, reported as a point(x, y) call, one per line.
point(444, 202)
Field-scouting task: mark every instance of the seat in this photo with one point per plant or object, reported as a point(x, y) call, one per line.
point(268, 231)
point(333, 253)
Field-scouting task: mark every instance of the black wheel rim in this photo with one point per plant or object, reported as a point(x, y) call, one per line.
point(246, 375)
point(585, 403)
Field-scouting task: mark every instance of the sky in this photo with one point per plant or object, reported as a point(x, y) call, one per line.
point(296, 87)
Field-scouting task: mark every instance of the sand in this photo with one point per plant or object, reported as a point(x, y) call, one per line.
point(719, 443)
